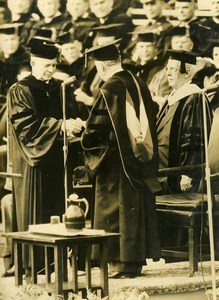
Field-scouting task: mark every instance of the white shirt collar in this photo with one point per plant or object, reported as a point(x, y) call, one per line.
point(186, 90)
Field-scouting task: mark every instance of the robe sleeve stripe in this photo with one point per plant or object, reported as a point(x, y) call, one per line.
point(100, 112)
point(31, 133)
point(25, 123)
point(100, 126)
point(21, 114)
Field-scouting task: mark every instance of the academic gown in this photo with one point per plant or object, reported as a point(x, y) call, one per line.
point(124, 187)
point(36, 150)
point(180, 135)
point(9, 68)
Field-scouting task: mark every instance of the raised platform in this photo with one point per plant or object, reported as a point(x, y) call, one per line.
point(160, 281)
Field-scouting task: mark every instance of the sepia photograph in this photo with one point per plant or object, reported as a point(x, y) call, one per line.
point(109, 149)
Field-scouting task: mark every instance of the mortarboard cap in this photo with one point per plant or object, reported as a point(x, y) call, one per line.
point(11, 28)
point(108, 30)
point(43, 48)
point(105, 52)
point(178, 31)
point(189, 1)
point(65, 38)
point(145, 37)
point(183, 56)
point(43, 33)
point(149, 1)
point(3, 3)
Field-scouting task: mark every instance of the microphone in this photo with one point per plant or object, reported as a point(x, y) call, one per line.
point(69, 81)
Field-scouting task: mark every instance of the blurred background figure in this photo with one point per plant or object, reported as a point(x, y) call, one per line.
point(91, 81)
point(12, 55)
point(50, 17)
point(71, 61)
point(78, 12)
point(20, 11)
point(144, 61)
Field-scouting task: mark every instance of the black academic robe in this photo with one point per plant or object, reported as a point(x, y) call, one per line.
point(36, 149)
point(203, 35)
point(185, 137)
point(124, 187)
point(57, 25)
point(9, 68)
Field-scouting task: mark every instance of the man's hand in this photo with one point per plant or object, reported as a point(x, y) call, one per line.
point(80, 96)
point(73, 126)
point(185, 183)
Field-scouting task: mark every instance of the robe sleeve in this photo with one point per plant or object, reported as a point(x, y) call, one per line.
point(33, 134)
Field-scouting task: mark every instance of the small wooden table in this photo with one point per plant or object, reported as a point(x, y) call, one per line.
point(60, 245)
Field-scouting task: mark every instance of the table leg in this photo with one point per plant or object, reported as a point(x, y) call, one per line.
point(33, 264)
point(65, 266)
point(88, 266)
point(104, 268)
point(74, 262)
point(18, 263)
point(47, 265)
point(58, 257)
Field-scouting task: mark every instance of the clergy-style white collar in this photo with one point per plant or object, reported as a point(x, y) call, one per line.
point(48, 20)
point(184, 91)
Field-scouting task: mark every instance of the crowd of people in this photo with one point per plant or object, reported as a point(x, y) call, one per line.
point(133, 106)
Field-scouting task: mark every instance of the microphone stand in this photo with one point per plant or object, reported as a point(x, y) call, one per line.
point(209, 197)
point(66, 82)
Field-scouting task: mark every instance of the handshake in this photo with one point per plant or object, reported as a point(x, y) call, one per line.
point(73, 126)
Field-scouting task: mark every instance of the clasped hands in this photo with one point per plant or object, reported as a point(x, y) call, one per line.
point(185, 183)
point(73, 126)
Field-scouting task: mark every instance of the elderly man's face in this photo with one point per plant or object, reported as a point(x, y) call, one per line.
point(101, 8)
point(48, 8)
point(153, 9)
point(71, 51)
point(175, 78)
point(77, 8)
point(181, 43)
point(145, 51)
point(19, 6)
point(214, 7)
point(43, 68)
point(184, 10)
point(9, 43)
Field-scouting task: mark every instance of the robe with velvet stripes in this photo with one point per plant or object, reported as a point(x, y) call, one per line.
point(124, 187)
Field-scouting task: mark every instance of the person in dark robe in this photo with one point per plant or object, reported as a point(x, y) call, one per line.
point(179, 125)
point(144, 61)
point(71, 61)
point(103, 12)
point(206, 29)
point(91, 80)
point(81, 21)
point(50, 17)
point(181, 136)
point(208, 76)
point(19, 11)
point(36, 128)
point(124, 159)
point(12, 55)
point(176, 38)
point(155, 22)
